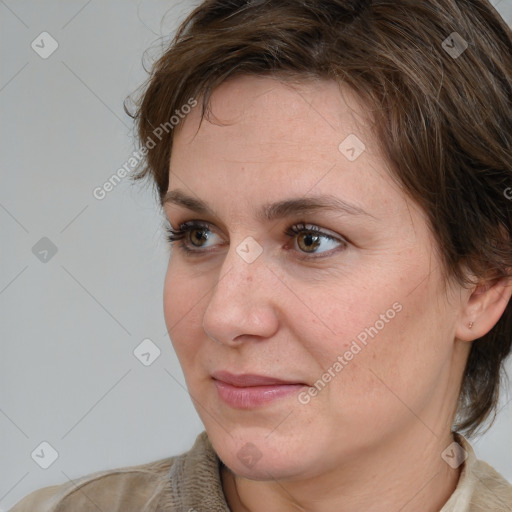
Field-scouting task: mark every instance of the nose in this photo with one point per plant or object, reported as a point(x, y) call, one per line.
point(243, 303)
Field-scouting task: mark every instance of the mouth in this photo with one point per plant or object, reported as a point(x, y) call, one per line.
point(249, 391)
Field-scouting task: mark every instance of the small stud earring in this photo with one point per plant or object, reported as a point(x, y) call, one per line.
point(470, 325)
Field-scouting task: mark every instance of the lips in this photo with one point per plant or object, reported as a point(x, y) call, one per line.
point(249, 390)
point(249, 380)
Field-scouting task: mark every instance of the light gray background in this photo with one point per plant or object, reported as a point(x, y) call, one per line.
point(69, 326)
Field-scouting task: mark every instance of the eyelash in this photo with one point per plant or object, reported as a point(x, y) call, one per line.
point(178, 236)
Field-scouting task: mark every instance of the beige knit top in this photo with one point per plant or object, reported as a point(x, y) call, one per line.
point(191, 482)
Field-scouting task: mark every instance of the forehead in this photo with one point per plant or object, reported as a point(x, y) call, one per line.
point(276, 114)
point(283, 131)
point(266, 140)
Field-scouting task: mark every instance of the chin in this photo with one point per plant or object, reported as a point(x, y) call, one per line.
point(252, 453)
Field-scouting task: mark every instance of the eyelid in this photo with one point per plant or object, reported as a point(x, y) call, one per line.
point(314, 228)
point(191, 224)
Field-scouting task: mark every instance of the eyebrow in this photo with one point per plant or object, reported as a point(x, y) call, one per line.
point(269, 212)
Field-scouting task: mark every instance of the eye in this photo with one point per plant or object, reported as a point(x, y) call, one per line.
point(310, 239)
point(191, 236)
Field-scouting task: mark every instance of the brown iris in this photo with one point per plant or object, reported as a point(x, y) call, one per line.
point(311, 241)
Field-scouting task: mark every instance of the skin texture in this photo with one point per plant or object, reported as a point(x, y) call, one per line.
point(372, 438)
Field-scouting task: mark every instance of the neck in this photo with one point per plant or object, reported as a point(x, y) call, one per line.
point(406, 474)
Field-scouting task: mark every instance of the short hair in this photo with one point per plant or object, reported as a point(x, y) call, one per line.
point(436, 76)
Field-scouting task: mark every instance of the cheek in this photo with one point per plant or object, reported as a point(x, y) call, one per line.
point(183, 312)
point(345, 315)
point(386, 330)
point(391, 355)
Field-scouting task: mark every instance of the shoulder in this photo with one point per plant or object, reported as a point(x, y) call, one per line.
point(480, 488)
point(127, 489)
point(181, 482)
point(492, 491)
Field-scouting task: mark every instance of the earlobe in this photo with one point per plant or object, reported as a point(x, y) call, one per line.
point(483, 308)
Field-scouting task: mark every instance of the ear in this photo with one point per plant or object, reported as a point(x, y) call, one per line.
point(483, 307)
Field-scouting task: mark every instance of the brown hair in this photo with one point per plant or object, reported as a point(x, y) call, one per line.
point(443, 120)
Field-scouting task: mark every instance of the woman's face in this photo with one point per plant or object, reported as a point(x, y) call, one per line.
point(340, 304)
